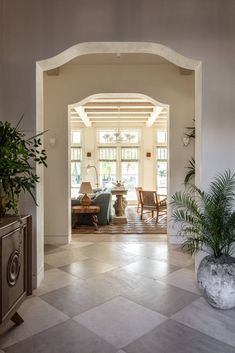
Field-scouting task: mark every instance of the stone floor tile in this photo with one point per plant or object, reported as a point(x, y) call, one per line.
point(64, 258)
point(47, 267)
point(120, 280)
point(184, 278)
point(109, 256)
point(176, 258)
point(78, 298)
point(37, 315)
point(219, 324)
point(54, 279)
point(75, 245)
point(146, 250)
point(87, 268)
point(68, 337)
point(120, 321)
point(173, 337)
point(151, 268)
point(161, 297)
point(51, 249)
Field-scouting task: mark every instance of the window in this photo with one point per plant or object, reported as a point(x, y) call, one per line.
point(107, 165)
point(130, 169)
point(121, 160)
point(76, 158)
point(161, 156)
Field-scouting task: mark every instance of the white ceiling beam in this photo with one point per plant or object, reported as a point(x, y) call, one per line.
point(83, 116)
point(103, 113)
point(117, 111)
point(154, 115)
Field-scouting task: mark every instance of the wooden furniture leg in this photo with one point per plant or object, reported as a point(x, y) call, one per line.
point(94, 220)
point(17, 319)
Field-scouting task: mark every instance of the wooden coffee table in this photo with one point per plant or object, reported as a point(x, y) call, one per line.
point(92, 210)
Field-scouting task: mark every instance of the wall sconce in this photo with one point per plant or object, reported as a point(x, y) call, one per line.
point(88, 154)
point(52, 141)
point(148, 155)
point(186, 141)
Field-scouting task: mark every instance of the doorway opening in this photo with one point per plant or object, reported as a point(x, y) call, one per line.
point(118, 138)
point(55, 223)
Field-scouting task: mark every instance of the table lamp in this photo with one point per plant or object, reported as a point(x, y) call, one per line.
point(85, 189)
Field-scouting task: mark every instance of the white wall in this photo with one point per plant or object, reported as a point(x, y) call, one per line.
point(36, 30)
point(162, 82)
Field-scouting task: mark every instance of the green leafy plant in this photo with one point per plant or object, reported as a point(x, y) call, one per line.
point(191, 167)
point(191, 171)
point(207, 219)
point(18, 156)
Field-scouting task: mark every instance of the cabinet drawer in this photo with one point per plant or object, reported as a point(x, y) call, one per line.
point(13, 281)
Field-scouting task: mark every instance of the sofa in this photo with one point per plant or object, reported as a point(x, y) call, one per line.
point(102, 198)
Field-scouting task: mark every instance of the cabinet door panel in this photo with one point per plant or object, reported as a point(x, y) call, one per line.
point(13, 266)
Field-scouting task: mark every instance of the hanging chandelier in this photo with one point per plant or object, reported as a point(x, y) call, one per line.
point(119, 136)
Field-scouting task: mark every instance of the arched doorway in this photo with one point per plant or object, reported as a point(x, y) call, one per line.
point(105, 48)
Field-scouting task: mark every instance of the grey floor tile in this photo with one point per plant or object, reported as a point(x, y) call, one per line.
point(78, 298)
point(120, 321)
point(161, 297)
point(54, 279)
point(38, 316)
point(173, 337)
point(151, 268)
point(87, 268)
point(184, 278)
point(69, 337)
point(219, 324)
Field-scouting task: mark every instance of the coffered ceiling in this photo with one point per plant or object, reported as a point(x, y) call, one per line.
point(119, 110)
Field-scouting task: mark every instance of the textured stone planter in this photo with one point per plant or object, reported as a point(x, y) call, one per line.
point(216, 278)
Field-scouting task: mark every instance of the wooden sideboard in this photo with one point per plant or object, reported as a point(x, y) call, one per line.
point(15, 266)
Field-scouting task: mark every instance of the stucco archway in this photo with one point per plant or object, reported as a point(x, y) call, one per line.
point(104, 48)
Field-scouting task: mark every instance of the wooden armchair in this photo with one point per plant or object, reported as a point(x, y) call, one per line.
point(138, 189)
point(150, 202)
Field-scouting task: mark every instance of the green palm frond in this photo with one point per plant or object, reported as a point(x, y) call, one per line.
point(191, 171)
point(207, 219)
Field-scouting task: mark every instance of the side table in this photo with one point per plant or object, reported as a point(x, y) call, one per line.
point(92, 210)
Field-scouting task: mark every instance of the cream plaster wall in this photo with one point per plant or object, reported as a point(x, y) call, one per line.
point(199, 29)
point(162, 82)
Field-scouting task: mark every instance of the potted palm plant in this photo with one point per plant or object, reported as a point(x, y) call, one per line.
point(207, 223)
point(18, 156)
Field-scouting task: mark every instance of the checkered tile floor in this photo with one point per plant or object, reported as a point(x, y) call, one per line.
point(117, 294)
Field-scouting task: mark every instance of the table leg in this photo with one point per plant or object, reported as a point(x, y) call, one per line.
point(94, 220)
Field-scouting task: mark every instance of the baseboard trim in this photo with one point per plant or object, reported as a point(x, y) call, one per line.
point(55, 240)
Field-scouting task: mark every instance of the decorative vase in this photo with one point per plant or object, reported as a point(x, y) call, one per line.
point(216, 278)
